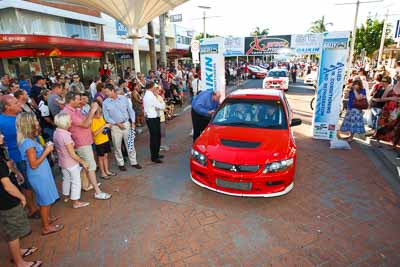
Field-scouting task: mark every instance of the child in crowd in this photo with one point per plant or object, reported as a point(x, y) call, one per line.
point(100, 130)
point(69, 161)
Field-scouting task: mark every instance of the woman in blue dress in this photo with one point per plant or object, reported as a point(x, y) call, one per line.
point(353, 121)
point(38, 169)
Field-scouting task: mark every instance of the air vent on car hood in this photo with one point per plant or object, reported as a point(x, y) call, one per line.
point(240, 144)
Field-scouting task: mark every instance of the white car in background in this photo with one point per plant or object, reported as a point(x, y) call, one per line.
point(277, 79)
point(311, 78)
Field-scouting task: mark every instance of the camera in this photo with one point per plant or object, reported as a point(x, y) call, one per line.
point(106, 130)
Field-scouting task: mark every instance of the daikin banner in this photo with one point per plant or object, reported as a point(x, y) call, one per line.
point(213, 66)
point(330, 83)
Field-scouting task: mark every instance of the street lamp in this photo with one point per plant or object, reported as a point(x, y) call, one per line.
point(204, 19)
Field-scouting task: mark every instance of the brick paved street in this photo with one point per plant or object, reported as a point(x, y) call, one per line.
point(341, 212)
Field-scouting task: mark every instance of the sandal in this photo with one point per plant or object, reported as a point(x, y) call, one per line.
point(57, 228)
point(36, 264)
point(81, 205)
point(105, 177)
point(35, 215)
point(29, 251)
point(53, 219)
point(112, 174)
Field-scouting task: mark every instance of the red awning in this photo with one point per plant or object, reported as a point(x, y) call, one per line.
point(26, 41)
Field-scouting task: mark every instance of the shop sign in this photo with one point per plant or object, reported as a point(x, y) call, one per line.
point(121, 29)
point(13, 39)
point(266, 45)
point(124, 56)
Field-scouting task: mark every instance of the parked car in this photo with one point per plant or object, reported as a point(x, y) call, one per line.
point(248, 148)
point(277, 79)
point(256, 72)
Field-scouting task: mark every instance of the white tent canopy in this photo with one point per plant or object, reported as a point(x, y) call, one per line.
point(134, 14)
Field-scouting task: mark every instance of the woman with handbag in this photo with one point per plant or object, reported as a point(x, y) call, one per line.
point(353, 121)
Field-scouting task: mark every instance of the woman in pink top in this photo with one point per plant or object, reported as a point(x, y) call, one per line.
point(68, 161)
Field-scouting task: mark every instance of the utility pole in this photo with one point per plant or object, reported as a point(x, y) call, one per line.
point(204, 20)
point(383, 37)
point(353, 35)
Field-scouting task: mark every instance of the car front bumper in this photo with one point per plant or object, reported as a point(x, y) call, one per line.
point(206, 176)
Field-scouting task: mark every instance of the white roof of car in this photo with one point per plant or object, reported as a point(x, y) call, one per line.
point(266, 92)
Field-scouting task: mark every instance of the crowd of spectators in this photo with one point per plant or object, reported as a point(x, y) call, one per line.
point(372, 98)
point(58, 122)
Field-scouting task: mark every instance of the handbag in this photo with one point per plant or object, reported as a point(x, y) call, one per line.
point(360, 103)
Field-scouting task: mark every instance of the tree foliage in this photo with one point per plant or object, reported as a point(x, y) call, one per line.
point(319, 25)
point(368, 37)
point(200, 36)
point(257, 31)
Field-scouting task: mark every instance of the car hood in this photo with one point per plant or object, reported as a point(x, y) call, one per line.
point(248, 146)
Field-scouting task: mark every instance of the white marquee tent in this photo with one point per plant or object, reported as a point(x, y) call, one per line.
point(134, 14)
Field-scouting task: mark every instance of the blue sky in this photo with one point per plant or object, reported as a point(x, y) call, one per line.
point(238, 17)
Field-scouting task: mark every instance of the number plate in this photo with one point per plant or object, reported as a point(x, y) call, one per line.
point(234, 185)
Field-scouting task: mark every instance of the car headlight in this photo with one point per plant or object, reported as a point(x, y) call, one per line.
point(199, 157)
point(278, 166)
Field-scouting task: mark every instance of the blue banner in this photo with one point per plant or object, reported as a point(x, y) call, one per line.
point(330, 87)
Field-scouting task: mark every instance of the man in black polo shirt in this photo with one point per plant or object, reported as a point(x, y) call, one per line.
point(14, 222)
point(40, 81)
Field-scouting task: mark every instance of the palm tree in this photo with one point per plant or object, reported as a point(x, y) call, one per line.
point(152, 46)
point(163, 41)
point(258, 32)
point(319, 25)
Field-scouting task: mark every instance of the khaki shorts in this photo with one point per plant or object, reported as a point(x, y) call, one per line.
point(86, 153)
point(14, 224)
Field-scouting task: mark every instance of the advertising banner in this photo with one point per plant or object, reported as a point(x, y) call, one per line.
point(330, 84)
point(233, 46)
point(212, 67)
point(307, 43)
point(266, 45)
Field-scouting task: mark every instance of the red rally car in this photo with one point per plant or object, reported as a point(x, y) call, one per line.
point(248, 148)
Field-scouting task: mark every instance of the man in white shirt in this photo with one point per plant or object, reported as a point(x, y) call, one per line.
point(93, 86)
point(152, 108)
point(196, 85)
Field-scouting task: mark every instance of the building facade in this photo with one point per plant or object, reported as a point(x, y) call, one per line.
point(39, 37)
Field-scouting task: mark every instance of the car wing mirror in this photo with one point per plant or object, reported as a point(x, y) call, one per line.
point(295, 122)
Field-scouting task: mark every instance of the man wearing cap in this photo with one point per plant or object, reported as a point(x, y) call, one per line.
point(40, 82)
point(203, 107)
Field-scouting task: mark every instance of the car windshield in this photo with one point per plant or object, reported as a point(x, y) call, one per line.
point(276, 74)
point(265, 114)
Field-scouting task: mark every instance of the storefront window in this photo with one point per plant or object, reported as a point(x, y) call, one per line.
point(90, 68)
point(26, 66)
point(74, 28)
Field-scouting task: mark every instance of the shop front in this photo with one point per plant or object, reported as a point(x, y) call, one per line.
point(30, 55)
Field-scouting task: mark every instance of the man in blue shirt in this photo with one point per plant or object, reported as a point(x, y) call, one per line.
point(118, 111)
point(203, 107)
point(9, 108)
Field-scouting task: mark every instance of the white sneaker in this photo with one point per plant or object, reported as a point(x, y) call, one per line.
point(102, 196)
